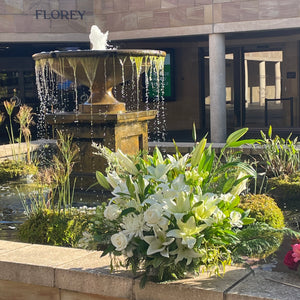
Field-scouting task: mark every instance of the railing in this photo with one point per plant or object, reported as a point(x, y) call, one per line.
point(281, 99)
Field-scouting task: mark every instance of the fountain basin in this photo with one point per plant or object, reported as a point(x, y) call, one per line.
point(100, 70)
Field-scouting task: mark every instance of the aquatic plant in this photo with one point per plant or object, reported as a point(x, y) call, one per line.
point(51, 227)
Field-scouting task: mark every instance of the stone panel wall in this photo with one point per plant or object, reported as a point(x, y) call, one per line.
point(162, 16)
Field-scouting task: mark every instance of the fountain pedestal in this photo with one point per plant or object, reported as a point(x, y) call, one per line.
point(125, 131)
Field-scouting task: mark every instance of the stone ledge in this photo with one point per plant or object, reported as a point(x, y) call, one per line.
point(46, 272)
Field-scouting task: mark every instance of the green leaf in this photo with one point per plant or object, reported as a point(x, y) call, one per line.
point(157, 156)
point(243, 142)
point(197, 153)
point(128, 210)
point(247, 221)
point(109, 249)
point(102, 180)
point(235, 136)
point(228, 184)
point(130, 186)
point(270, 132)
point(194, 133)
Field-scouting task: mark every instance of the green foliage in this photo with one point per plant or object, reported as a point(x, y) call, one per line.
point(264, 209)
point(285, 187)
point(54, 228)
point(13, 169)
point(280, 156)
point(257, 240)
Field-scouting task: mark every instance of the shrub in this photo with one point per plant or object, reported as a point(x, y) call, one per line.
point(264, 209)
point(54, 228)
point(262, 238)
point(13, 169)
point(285, 187)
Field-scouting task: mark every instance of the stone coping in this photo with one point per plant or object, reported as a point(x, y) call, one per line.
point(81, 272)
point(6, 151)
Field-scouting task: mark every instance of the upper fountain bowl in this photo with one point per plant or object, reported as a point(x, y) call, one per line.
point(100, 70)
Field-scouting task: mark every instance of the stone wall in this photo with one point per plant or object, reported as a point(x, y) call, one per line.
point(141, 18)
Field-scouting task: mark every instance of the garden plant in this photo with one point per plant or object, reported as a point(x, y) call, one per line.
point(177, 214)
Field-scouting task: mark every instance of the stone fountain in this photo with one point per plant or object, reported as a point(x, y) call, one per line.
point(102, 118)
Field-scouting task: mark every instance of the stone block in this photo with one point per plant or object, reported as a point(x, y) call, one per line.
point(145, 19)
point(201, 287)
point(15, 290)
point(69, 295)
point(92, 274)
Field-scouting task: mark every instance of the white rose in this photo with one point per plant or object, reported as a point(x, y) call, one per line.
point(112, 212)
point(119, 240)
point(153, 214)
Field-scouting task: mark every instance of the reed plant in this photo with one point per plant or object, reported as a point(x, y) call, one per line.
point(62, 168)
point(25, 118)
point(9, 107)
point(280, 156)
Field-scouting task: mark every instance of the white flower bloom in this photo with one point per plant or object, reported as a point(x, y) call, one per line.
point(235, 219)
point(112, 212)
point(179, 164)
point(113, 179)
point(238, 189)
point(227, 197)
point(158, 172)
point(119, 240)
point(183, 252)
point(158, 243)
point(218, 216)
point(153, 214)
point(134, 225)
point(126, 162)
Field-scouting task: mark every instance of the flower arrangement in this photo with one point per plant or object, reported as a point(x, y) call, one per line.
point(175, 214)
point(292, 258)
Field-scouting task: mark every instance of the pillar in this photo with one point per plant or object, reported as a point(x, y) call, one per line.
point(277, 80)
point(262, 83)
point(247, 94)
point(217, 86)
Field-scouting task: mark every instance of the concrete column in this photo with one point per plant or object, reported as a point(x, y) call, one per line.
point(277, 80)
point(262, 83)
point(247, 98)
point(217, 87)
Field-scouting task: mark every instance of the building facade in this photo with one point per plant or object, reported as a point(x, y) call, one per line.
point(227, 56)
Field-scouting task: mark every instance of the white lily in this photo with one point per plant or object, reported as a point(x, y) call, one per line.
point(126, 163)
point(179, 206)
point(186, 231)
point(207, 208)
point(179, 164)
point(113, 179)
point(158, 172)
point(183, 252)
point(158, 243)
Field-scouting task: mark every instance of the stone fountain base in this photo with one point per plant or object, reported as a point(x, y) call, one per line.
point(126, 131)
